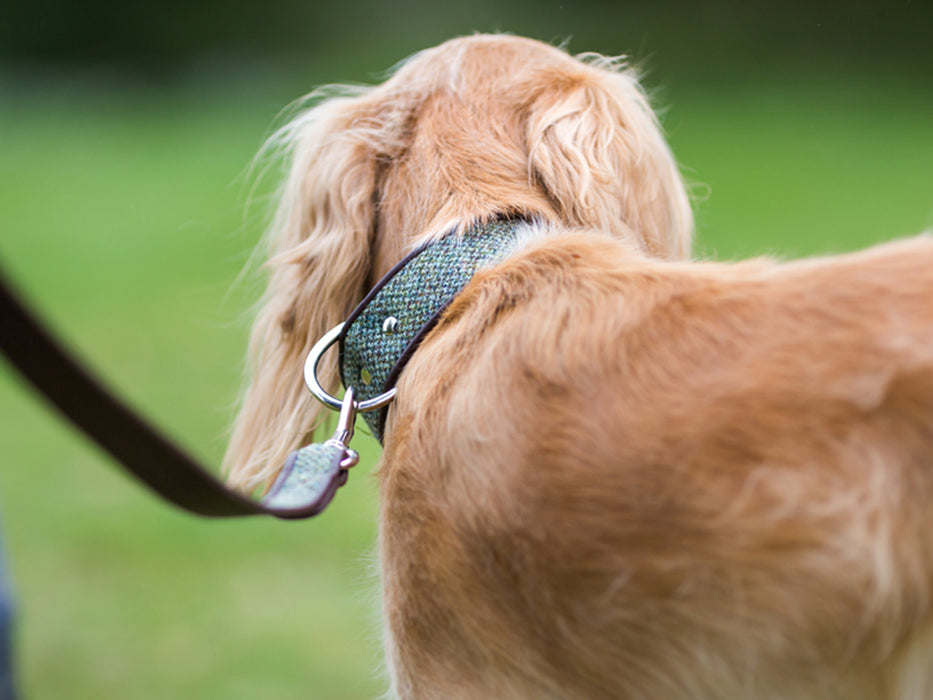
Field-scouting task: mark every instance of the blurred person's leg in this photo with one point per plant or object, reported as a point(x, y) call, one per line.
point(6, 635)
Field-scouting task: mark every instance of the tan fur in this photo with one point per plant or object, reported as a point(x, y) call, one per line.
point(609, 472)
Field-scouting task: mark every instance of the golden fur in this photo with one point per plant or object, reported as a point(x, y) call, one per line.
point(609, 472)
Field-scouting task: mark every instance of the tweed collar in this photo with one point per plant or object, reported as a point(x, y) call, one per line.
point(383, 332)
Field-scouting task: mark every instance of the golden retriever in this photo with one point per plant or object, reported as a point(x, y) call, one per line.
point(609, 472)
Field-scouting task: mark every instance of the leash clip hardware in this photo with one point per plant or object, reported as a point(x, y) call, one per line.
point(344, 432)
point(311, 364)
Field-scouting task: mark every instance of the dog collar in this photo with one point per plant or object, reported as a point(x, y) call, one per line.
point(383, 332)
point(376, 342)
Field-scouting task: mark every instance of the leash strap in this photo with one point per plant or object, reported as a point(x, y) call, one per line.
point(141, 449)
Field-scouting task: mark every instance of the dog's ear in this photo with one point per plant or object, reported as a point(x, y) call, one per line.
point(596, 149)
point(319, 258)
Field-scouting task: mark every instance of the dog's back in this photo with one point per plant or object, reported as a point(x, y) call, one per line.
point(612, 477)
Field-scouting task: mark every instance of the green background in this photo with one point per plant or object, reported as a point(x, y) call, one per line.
point(125, 145)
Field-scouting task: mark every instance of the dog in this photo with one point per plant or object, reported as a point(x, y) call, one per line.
point(609, 471)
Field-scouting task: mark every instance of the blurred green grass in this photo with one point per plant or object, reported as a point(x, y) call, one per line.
point(122, 217)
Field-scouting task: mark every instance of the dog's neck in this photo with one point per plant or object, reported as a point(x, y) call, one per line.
point(383, 332)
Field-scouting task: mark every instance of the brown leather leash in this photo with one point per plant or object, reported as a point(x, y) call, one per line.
point(145, 452)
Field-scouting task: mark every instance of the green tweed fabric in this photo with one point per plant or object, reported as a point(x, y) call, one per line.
point(309, 478)
point(413, 294)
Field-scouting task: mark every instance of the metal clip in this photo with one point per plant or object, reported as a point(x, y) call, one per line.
point(344, 432)
point(311, 364)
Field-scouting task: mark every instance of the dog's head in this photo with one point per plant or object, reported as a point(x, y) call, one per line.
point(475, 128)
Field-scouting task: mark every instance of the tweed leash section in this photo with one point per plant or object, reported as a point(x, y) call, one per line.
point(312, 475)
point(376, 342)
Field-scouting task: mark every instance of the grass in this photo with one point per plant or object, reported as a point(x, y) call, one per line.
point(122, 218)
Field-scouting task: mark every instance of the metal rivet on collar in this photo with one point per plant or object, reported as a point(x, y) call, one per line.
point(389, 325)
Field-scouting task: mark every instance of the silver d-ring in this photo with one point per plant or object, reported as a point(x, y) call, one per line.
point(314, 358)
